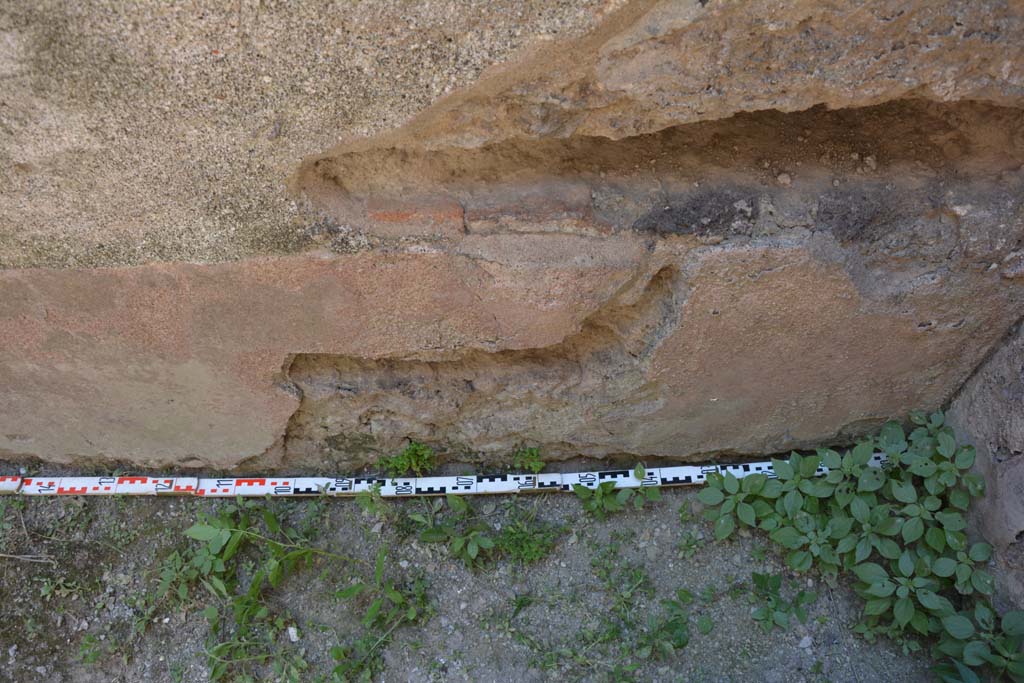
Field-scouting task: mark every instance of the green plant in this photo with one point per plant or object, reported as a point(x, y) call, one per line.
point(416, 458)
point(735, 499)
point(371, 502)
point(60, 588)
point(669, 632)
point(606, 499)
point(772, 609)
point(237, 557)
point(91, 649)
point(689, 545)
point(897, 530)
point(528, 459)
point(389, 606)
point(525, 540)
point(468, 538)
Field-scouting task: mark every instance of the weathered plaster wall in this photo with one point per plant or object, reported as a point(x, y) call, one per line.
point(989, 412)
point(674, 230)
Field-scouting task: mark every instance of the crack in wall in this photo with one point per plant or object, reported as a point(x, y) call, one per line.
point(560, 397)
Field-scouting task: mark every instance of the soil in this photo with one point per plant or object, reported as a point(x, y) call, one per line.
point(502, 622)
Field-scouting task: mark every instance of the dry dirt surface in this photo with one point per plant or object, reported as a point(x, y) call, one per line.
point(582, 612)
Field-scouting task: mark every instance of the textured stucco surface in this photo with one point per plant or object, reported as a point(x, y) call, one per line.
point(989, 412)
point(264, 235)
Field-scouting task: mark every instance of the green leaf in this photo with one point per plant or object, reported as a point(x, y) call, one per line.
point(799, 560)
point(887, 547)
point(903, 611)
point(788, 537)
point(947, 445)
point(211, 613)
point(863, 549)
point(959, 498)
point(980, 552)
point(704, 624)
point(877, 606)
point(724, 526)
point(906, 564)
point(881, 590)
point(936, 538)
point(965, 458)
point(816, 488)
point(924, 467)
point(754, 483)
point(862, 452)
point(458, 505)
point(912, 529)
point(202, 532)
point(975, 484)
point(958, 626)
point(944, 567)
point(846, 544)
point(984, 616)
point(871, 479)
point(350, 592)
point(710, 496)
point(952, 521)
point(905, 492)
point(860, 510)
point(746, 514)
point(892, 439)
point(831, 459)
point(792, 502)
point(772, 489)
point(809, 465)
point(271, 521)
point(983, 582)
point(1013, 623)
point(976, 653)
point(934, 602)
point(373, 611)
point(731, 483)
point(870, 572)
point(783, 470)
point(639, 472)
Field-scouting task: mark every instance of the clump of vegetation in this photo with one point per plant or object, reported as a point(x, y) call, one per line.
point(528, 460)
point(237, 559)
point(417, 458)
point(389, 606)
point(474, 542)
point(468, 537)
point(897, 531)
point(773, 610)
point(525, 540)
point(605, 499)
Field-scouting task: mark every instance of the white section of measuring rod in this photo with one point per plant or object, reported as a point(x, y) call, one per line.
point(390, 487)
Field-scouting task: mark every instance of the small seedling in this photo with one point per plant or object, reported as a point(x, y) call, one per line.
point(528, 459)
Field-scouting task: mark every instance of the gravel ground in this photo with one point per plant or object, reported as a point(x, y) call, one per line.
point(71, 619)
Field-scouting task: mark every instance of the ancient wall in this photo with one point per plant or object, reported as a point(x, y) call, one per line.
point(989, 412)
point(654, 228)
